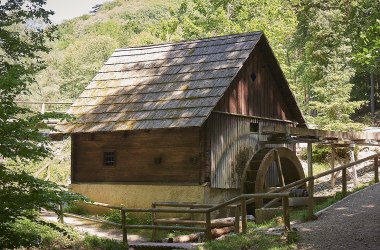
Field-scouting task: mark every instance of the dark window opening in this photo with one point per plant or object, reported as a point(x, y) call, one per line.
point(109, 158)
point(253, 77)
point(254, 127)
point(91, 137)
point(158, 160)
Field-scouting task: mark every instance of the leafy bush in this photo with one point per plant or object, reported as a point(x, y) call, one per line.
point(22, 196)
point(320, 153)
point(75, 209)
point(28, 233)
point(114, 215)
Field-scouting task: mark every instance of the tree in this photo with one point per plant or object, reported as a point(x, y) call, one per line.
point(326, 69)
point(206, 18)
point(24, 30)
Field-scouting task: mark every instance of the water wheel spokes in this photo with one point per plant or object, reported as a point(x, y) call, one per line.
point(269, 169)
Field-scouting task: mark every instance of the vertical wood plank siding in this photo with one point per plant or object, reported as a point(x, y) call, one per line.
point(261, 97)
point(232, 144)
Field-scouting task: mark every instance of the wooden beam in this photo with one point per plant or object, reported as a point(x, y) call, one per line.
point(321, 134)
point(311, 182)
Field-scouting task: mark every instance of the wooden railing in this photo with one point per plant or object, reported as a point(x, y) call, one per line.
point(310, 180)
point(43, 104)
point(239, 203)
point(240, 212)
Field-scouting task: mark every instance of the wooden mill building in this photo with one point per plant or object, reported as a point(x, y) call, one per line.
point(178, 121)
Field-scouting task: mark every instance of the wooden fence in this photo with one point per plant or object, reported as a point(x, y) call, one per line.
point(239, 203)
point(240, 211)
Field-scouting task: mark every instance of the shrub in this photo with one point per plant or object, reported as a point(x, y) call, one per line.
point(22, 196)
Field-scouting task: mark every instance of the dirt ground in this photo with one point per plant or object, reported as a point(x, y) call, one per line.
point(352, 223)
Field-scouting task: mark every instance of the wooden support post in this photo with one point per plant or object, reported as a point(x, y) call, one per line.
point(333, 178)
point(208, 234)
point(60, 215)
point(286, 215)
point(237, 219)
point(372, 96)
point(311, 182)
point(376, 168)
point(344, 181)
point(124, 226)
point(279, 169)
point(43, 108)
point(154, 231)
point(353, 173)
point(243, 208)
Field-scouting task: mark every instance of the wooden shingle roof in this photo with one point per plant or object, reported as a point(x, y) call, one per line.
point(160, 86)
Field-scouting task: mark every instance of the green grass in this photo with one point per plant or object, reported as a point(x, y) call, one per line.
point(251, 240)
point(93, 242)
point(320, 167)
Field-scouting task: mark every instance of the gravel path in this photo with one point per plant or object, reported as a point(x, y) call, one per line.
point(353, 223)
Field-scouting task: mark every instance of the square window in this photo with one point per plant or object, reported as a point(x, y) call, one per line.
point(254, 127)
point(109, 158)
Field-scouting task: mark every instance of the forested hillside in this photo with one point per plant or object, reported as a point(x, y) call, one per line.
point(327, 49)
point(84, 43)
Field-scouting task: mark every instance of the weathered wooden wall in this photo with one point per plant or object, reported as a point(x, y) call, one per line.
point(260, 97)
point(136, 152)
point(232, 144)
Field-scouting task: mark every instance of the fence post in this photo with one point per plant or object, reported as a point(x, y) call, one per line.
point(333, 177)
point(237, 219)
point(344, 181)
point(124, 226)
point(208, 226)
point(285, 208)
point(376, 168)
point(154, 231)
point(60, 215)
point(243, 208)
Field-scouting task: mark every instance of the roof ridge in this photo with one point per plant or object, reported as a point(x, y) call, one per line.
point(214, 38)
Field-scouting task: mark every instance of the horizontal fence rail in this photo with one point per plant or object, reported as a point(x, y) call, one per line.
point(238, 203)
point(183, 208)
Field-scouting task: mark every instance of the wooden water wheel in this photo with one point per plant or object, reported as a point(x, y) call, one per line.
point(270, 168)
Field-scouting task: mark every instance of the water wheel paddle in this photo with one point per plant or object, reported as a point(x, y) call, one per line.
point(270, 168)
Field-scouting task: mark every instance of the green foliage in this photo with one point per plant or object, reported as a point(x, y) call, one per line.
point(22, 196)
point(110, 5)
point(368, 54)
point(74, 74)
point(251, 240)
point(85, 43)
point(28, 233)
point(198, 19)
point(23, 34)
point(47, 235)
point(326, 70)
point(93, 242)
point(58, 164)
point(114, 215)
point(75, 209)
point(320, 154)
